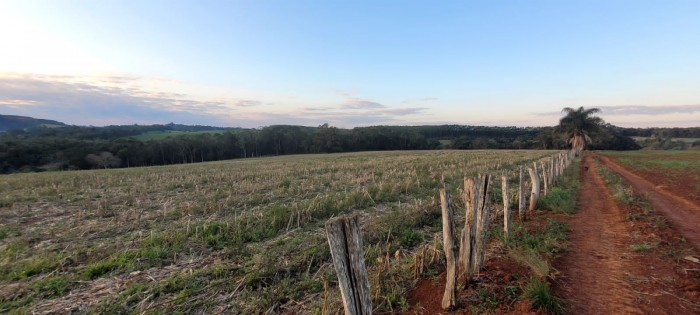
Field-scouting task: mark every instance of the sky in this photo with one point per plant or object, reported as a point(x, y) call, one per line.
point(350, 63)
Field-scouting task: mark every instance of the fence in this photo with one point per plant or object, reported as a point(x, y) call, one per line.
point(464, 256)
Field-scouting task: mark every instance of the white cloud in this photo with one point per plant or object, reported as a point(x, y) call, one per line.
point(128, 99)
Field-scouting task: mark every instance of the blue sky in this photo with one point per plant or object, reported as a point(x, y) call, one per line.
point(354, 63)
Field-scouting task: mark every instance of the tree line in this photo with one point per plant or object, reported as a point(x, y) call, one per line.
point(75, 147)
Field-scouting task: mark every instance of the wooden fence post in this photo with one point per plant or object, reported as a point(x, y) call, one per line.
point(552, 172)
point(521, 196)
point(449, 299)
point(535, 194)
point(506, 206)
point(466, 241)
point(545, 178)
point(345, 240)
point(483, 218)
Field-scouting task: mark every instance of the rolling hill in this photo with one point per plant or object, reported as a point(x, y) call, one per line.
point(11, 122)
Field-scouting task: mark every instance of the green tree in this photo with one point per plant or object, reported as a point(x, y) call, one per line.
point(577, 124)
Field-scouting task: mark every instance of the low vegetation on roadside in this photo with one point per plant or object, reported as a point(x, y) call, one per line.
point(520, 268)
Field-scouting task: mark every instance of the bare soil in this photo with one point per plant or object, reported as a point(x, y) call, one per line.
point(684, 214)
point(602, 275)
point(601, 272)
point(592, 279)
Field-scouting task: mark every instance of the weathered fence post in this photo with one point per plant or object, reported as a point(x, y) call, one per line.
point(449, 299)
point(466, 241)
point(545, 178)
point(552, 172)
point(535, 194)
point(521, 196)
point(506, 206)
point(345, 241)
point(483, 218)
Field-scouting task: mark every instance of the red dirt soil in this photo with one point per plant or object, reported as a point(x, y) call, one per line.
point(679, 182)
point(498, 272)
point(683, 213)
point(602, 275)
point(592, 279)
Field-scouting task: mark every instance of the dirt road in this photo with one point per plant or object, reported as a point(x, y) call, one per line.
point(683, 214)
point(592, 279)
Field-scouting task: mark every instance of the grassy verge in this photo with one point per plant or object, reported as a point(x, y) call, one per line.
point(540, 247)
point(533, 245)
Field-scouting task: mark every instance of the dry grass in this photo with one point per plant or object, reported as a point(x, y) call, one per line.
point(242, 236)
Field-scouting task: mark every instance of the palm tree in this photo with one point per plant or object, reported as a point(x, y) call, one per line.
point(578, 124)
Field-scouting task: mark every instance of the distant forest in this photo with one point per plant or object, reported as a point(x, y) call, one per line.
point(73, 147)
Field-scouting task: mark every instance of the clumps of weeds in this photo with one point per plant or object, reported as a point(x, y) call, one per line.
point(51, 287)
point(532, 259)
point(621, 191)
point(563, 197)
point(547, 240)
point(103, 267)
point(218, 235)
point(159, 249)
point(645, 247)
point(538, 292)
point(30, 267)
point(403, 227)
point(7, 231)
point(559, 200)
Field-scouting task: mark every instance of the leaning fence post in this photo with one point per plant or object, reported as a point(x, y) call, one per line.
point(449, 299)
point(506, 206)
point(345, 240)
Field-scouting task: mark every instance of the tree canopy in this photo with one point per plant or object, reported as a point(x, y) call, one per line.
point(578, 124)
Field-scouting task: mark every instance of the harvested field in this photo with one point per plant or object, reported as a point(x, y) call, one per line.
point(240, 236)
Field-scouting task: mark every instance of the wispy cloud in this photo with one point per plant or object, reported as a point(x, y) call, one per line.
point(247, 103)
point(125, 99)
point(359, 113)
point(649, 110)
point(63, 98)
point(356, 103)
point(626, 110)
point(16, 103)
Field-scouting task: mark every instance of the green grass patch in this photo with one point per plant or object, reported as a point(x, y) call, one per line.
point(642, 247)
point(559, 200)
point(542, 298)
point(52, 287)
point(30, 267)
point(563, 197)
point(100, 268)
point(549, 239)
point(9, 231)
